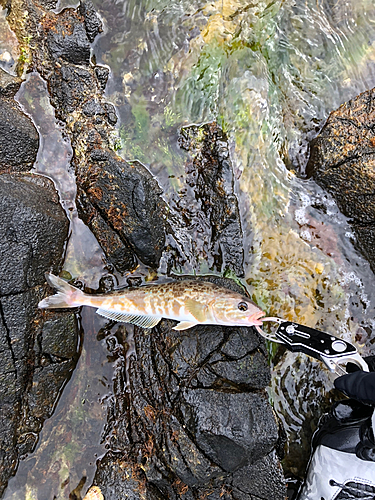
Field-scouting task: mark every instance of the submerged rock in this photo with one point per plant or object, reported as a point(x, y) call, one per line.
point(37, 355)
point(342, 161)
point(205, 219)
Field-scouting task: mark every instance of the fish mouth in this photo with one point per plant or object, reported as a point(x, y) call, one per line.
point(255, 318)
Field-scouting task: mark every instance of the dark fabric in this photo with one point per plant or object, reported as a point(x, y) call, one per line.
point(358, 385)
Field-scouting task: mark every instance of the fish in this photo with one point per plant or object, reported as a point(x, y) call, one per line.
point(190, 302)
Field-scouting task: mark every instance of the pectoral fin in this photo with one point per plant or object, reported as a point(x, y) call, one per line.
point(198, 310)
point(139, 320)
point(184, 325)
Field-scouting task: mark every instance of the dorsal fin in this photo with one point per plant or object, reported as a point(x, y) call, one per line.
point(135, 319)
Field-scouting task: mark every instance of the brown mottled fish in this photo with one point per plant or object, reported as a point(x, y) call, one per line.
point(191, 302)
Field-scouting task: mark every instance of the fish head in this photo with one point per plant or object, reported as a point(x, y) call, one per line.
point(236, 310)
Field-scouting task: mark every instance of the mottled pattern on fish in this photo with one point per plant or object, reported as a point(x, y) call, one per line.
point(191, 302)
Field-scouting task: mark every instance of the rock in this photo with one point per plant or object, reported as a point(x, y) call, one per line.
point(9, 84)
point(233, 430)
point(19, 139)
point(207, 207)
point(118, 253)
point(93, 24)
point(37, 357)
point(342, 160)
point(102, 74)
point(68, 40)
point(127, 197)
point(178, 437)
point(93, 108)
point(120, 479)
point(34, 227)
point(70, 86)
point(48, 4)
point(261, 480)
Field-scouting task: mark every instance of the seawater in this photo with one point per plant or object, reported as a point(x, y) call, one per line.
point(269, 73)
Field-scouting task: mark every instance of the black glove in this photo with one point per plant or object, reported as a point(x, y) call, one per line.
point(358, 385)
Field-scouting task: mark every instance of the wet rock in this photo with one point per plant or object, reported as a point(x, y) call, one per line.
point(179, 438)
point(9, 84)
point(93, 108)
point(233, 430)
point(48, 4)
point(29, 250)
point(342, 161)
point(102, 74)
point(207, 208)
point(70, 86)
point(93, 24)
point(36, 356)
point(68, 40)
point(125, 201)
point(261, 480)
point(55, 345)
point(128, 199)
point(116, 251)
point(250, 372)
point(110, 113)
point(19, 140)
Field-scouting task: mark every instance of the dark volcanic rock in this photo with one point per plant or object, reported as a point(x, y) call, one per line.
point(9, 84)
point(37, 356)
point(93, 23)
point(102, 74)
point(127, 197)
point(120, 254)
point(70, 86)
point(72, 46)
point(260, 480)
point(342, 160)
point(48, 4)
point(19, 139)
point(27, 249)
point(233, 430)
point(179, 437)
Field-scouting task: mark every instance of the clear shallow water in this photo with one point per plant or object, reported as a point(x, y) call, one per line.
point(71, 441)
point(269, 73)
point(9, 52)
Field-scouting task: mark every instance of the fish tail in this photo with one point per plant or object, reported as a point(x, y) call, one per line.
point(66, 296)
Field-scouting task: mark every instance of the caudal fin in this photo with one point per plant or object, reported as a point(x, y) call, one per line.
point(66, 296)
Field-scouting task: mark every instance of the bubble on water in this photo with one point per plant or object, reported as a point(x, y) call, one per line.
point(305, 235)
point(349, 277)
point(300, 213)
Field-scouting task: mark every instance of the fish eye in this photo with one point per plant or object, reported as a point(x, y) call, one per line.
point(242, 306)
